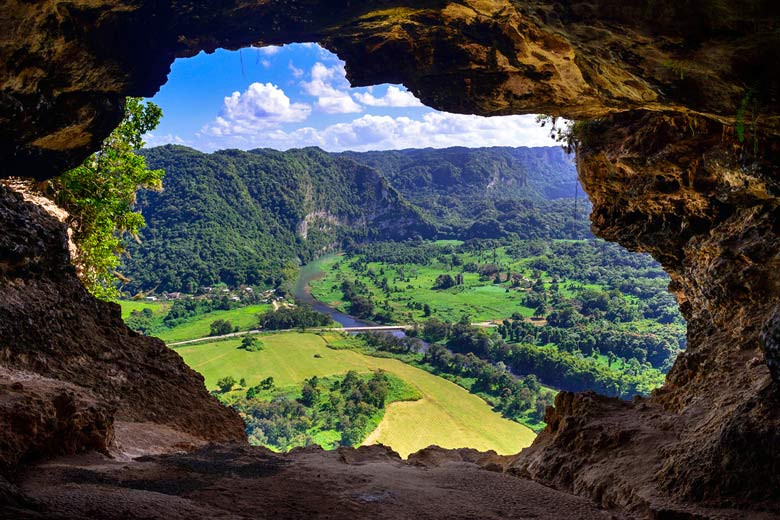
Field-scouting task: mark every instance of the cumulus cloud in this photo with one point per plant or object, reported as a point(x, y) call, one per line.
point(328, 85)
point(261, 106)
point(394, 97)
point(295, 71)
point(269, 50)
point(433, 129)
point(153, 140)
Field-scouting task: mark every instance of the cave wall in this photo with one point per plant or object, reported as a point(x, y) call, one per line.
point(679, 154)
point(70, 367)
point(705, 204)
point(65, 67)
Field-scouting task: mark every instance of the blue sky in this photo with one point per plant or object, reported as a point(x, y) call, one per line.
point(298, 95)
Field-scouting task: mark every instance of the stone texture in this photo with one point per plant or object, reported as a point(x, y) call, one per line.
point(51, 327)
point(65, 67)
point(679, 155)
point(44, 417)
point(705, 205)
point(246, 482)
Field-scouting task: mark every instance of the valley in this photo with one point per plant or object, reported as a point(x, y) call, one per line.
point(445, 414)
point(285, 192)
point(504, 297)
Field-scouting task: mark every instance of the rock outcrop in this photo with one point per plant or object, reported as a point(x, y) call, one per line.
point(678, 152)
point(65, 68)
point(687, 191)
point(72, 366)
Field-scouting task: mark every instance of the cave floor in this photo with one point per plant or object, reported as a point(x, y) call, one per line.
point(232, 481)
point(238, 481)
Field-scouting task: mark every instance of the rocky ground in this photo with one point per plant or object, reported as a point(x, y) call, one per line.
point(677, 136)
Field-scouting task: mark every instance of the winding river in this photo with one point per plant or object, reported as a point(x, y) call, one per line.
point(313, 271)
point(302, 293)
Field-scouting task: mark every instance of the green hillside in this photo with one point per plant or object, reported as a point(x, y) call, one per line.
point(447, 415)
point(245, 217)
point(251, 217)
point(489, 192)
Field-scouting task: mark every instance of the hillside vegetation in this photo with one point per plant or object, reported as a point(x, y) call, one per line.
point(446, 415)
point(489, 192)
point(252, 217)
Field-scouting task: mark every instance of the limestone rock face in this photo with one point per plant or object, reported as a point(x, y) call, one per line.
point(679, 152)
point(65, 67)
point(687, 191)
point(75, 363)
point(43, 417)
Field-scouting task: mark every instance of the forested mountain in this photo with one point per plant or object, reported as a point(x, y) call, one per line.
point(242, 217)
point(489, 192)
point(246, 217)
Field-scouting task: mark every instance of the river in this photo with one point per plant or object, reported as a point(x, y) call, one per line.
point(313, 271)
point(302, 293)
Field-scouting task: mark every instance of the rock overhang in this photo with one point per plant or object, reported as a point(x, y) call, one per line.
point(680, 158)
point(67, 67)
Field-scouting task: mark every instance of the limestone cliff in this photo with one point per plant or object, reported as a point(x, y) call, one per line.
point(72, 366)
point(679, 154)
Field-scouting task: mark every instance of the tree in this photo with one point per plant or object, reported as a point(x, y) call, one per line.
point(226, 384)
point(444, 281)
point(426, 310)
point(302, 316)
point(309, 394)
point(250, 344)
point(221, 327)
point(99, 197)
point(435, 330)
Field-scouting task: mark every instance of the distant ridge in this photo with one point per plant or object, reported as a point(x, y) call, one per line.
point(249, 217)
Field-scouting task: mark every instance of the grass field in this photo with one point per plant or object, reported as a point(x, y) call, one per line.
point(128, 306)
point(245, 318)
point(479, 299)
point(446, 416)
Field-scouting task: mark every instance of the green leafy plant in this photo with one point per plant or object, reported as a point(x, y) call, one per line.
point(99, 196)
point(748, 107)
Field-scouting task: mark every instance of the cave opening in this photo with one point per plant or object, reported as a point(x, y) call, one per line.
point(677, 161)
point(605, 314)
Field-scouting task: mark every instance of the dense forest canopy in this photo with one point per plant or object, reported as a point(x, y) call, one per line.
point(245, 217)
point(489, 192)
point(238, 217)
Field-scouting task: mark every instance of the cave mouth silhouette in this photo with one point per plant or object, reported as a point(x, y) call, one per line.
point(661, 92)
point(250, 69)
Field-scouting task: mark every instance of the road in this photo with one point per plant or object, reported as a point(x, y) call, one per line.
point(378, 328)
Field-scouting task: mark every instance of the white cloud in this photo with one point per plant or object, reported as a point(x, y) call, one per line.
point(395, 97)
point(296, 72)
point(371, 132)
point(328, 85)
point(269, 50)
point(153, 140)
point(266, 63)
point(261, 106)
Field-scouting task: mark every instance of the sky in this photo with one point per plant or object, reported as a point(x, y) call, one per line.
point(298, 95)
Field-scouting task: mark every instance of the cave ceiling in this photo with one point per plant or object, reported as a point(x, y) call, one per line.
point(67, 66)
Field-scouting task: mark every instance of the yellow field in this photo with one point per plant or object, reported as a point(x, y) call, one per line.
point(447, 416)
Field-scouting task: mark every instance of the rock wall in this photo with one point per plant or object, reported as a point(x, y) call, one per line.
point(686, 190)
point(73, 366)
point(679, 155)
